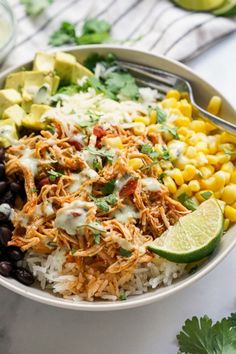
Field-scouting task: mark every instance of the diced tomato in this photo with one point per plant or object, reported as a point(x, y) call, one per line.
point(75, 213)
point(78, 146)
point(129, 188)
point(99, 132)
point(44, 181)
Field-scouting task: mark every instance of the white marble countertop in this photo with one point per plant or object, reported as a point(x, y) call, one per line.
point(28, 327)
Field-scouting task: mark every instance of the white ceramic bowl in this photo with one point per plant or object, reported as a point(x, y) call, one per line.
point(7, 29)
point(202, 91)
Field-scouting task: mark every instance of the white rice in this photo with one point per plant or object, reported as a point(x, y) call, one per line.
point(48, 271)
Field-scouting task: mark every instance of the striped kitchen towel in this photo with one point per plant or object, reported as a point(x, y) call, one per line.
point(153, 25)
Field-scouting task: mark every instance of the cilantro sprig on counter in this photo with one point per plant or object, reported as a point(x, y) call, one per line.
point(35, 7)
point(201, 336)
point(94, 31)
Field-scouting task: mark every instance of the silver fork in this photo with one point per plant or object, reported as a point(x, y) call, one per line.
point(163, 81)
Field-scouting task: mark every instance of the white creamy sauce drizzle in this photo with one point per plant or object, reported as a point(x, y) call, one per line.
point(45, 208)
point(176, 149)
point(8, 131)
point(151, 184)
point(29, 161)
point(72, 216)
point(79, 178)
point(126, 213)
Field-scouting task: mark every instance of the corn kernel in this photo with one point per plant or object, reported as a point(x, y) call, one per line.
point(207, 171)
point(228, 138)
point(213, 183)
point(212, 159)
point(222, 158)
point(218, 193)
point(139, 129)
point(144, 120)
point(220, 179)
point(227, 176)
point(153, 128)
point(212, 145)
point(181, 162)
point(202, 146)
point(214, 105)
point(201, 159)
point(185, 108)
point(200, 195)
point(135, 163)
point(177, 176)
point(194, 185)
point(210, 127)
point(182, 121)
point(230, 213)
point(191, 152)
point(226, 224)
point(169, 103)
point(233, 177)
point(153, 117)
point(184, 131)
point(170, 184)
point(229, 194)
point(198, 126)
point(183, 189)
point(189, 172)
point(173, 94)
point(115, 142)
point(228, 167)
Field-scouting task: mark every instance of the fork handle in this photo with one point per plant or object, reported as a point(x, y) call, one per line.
point(223, 124)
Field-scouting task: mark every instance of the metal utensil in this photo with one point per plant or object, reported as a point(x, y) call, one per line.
point(164, 81)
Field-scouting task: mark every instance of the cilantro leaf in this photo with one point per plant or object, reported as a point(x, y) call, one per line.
point(103, 152)
point(125, 253)
point(196, 336)
point(165, 153)
point(35, 7)
point(123, 296)
point(109, 187)
point(85, 123)
point(232, 319)
point(161, 115)
point(206, 195)
point(161, 176)
point(187, 201)
point(92, 60)
point(104, 203)
point(97, 166)
point(96, 237)
point(95, 25)
point(93, 38)
point(122, 83)
point(148, 150)
point(66, 34)
point(69, 90)
point(53, 175)
point(224, 337)
point(170, 130)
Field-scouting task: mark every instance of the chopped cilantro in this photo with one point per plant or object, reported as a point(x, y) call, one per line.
point(66, 34)
point(104, 203)
point(109, 187)
point(34, 190)
point(161, 115)
point(187, 201)
point(148, 150)
point(124, 253)
point(103, 152)
point(73, 250)
point(171, 130)
point(94, 31)
point(92, 60)
point(200, 336)
point(123, 296)
point(93, 119)
point(35, 7)
point(97, 166)
point(165, 153)
point(97, 237)
point(149, 165)
point(69, 90)
point(206, 195)
point(51, 129)
point(123, 84)
point(53, 175)
point(161, 176)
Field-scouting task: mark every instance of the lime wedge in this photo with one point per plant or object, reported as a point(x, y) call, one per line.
point(193, 237)
point(227, 9)
point(199, 5)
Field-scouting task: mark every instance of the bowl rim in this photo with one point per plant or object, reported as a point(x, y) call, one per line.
point(137, 300)
point(9, 10)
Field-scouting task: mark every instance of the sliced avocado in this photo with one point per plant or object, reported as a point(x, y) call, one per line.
point(8, 97)
point(64, 66)
point(199, 5)
point(15, 113)
point(32, 120)
point(26, 105)
point(15, 81)
point(33, 81)
point(44, 62)
point(79, 71)
point(55, 84)
point(8, 132)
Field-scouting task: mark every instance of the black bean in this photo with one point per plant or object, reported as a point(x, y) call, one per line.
point(6, 268)
point(7, 197)
point(2, 171)
point(14, 253)
point(23, 275)
point(5, 235)
point(2, 154)
point(3, 254)
point(15, 187)
point(3, 187)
